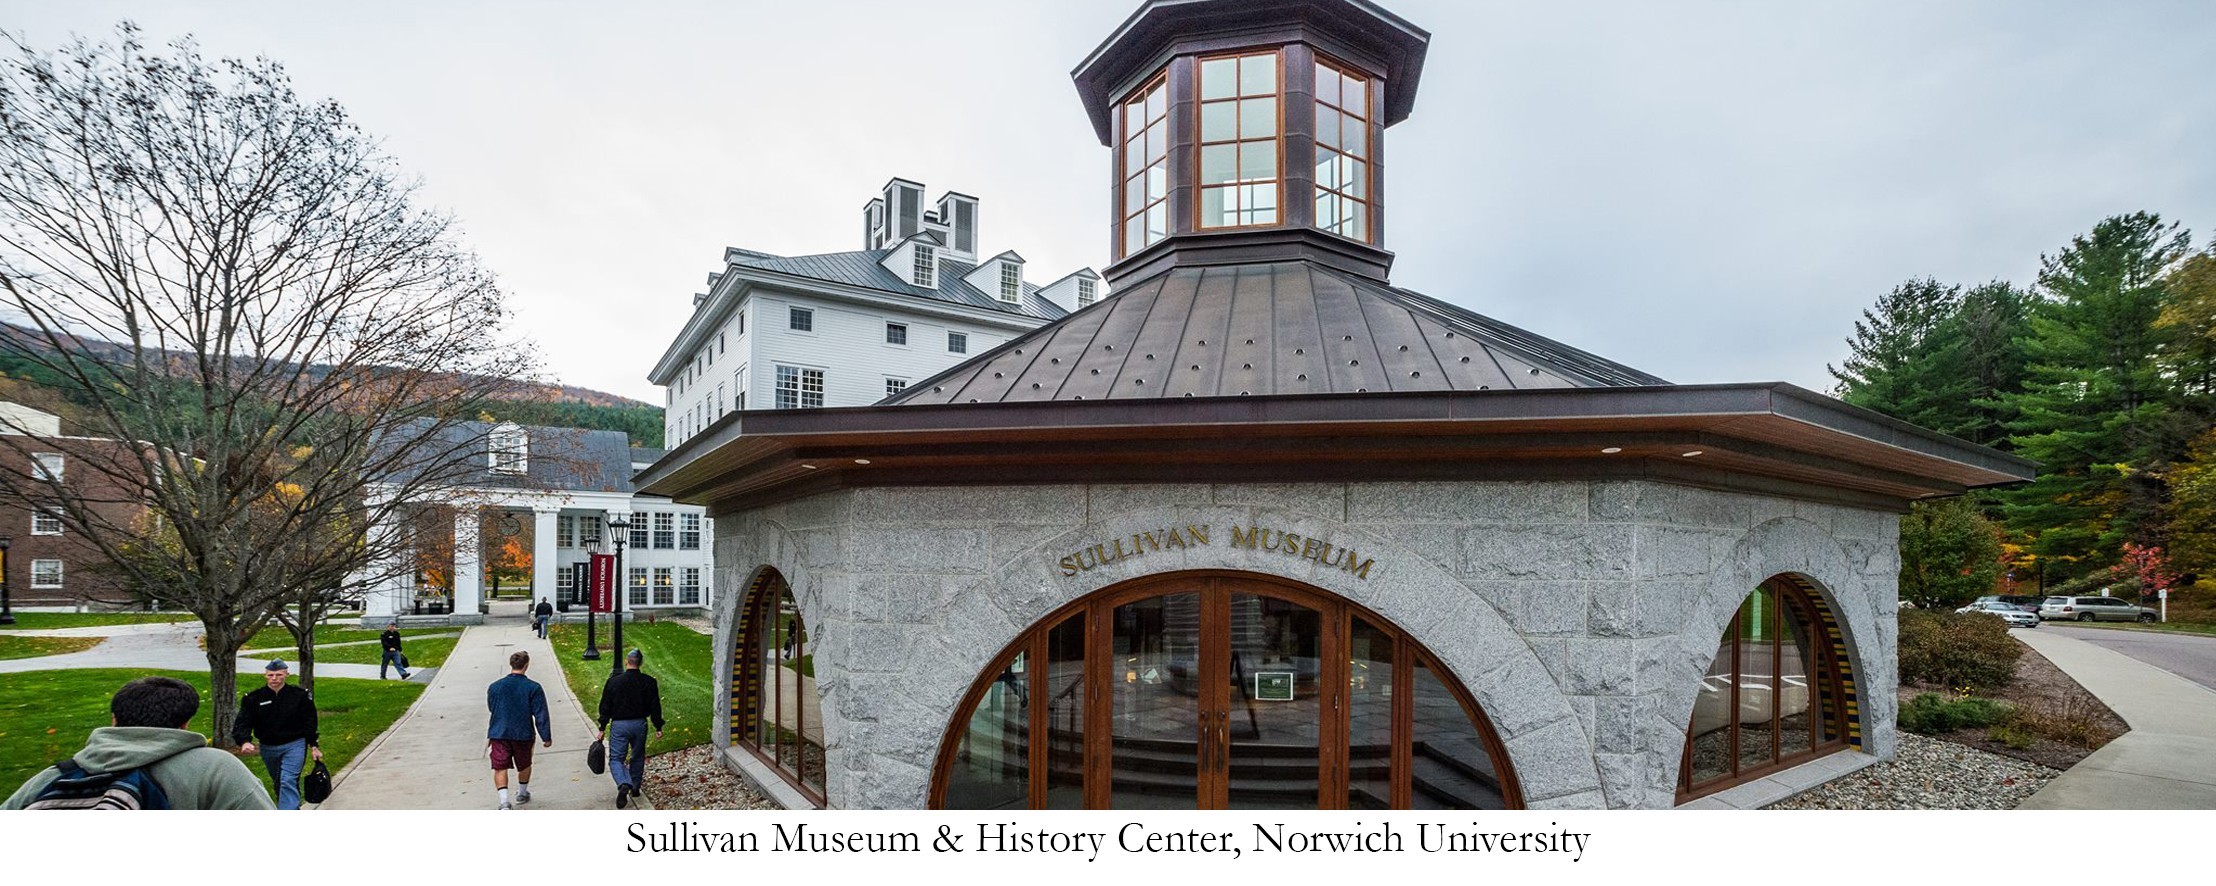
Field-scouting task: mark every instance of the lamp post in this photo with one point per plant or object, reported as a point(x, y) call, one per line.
point(592, 647)
point(619, 530)
point(7, 616)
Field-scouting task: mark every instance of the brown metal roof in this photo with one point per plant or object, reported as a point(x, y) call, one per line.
point(1267, 329)
point(1771, 438)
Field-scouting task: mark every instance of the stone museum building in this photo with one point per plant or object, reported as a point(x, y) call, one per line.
point(1260, 530)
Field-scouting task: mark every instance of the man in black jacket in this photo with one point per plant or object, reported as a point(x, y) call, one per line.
point(630, 699)
point(540, 615)
point(393, 658)
point(282, 717)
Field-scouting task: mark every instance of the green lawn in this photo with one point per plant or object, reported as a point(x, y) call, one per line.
point(429, 652)
point(2175, 627)
point(276, 637)
point(36, 647)
point(677, 656)
point(46, 715)
point(40, 621)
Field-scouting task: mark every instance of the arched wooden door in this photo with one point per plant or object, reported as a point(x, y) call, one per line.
point(1218, 691)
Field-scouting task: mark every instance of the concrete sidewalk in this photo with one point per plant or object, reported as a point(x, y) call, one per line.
point(2166, 761)
point(434, 757)
point(172, 646)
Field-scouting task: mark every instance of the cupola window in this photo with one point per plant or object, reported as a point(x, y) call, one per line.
point(1146, 171)
point(1239, 127)
point(1342, 152)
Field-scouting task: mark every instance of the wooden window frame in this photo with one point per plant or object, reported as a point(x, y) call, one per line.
point(1201, 144)
point(1829, 730)
point(1217, 587)
point(1371, 94)
point(750, 692)
point(1124, 212)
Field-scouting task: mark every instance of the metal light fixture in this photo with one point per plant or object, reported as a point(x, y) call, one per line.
point(618, 531)
point(7, 616)
point(592, 645)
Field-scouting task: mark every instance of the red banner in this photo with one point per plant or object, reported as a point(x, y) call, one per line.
point(603, 582)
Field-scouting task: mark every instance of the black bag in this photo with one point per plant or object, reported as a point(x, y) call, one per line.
point(596, 757)
point(317, 787)
point(403, 661)
point(79, 789)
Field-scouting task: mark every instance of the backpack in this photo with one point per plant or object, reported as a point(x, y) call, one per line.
point(133, 788)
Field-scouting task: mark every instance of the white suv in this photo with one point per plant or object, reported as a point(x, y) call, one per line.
point(2094, 609)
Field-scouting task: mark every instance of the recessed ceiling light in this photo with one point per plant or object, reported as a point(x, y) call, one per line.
point(1612, 450)
point(861, 461)
point(809, 467)
point(1692, 453)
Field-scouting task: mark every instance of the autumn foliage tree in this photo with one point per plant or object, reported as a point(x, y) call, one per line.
point(241, 282)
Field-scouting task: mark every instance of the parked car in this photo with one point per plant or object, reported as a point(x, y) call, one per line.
point(2095, 609)
point(2016, 618)
point(2021, 601)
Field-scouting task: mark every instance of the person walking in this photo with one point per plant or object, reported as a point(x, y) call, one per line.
point(630, 699)
point(393, 658)
point(278, 721)
point(147, 730)
point(518, 704)
point(540, 615)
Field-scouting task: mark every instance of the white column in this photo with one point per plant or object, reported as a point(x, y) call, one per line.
point(542, 552)
point(468, 561)
point(382, 598)
point(623, 567)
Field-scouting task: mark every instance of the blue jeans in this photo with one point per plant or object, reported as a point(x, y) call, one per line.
point(627, 752)
point(392, 659)
point(284, 762)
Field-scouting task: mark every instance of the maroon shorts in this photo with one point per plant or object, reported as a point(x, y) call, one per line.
point(509, 753)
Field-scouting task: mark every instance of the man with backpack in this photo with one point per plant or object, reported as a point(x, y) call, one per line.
point(146, 760)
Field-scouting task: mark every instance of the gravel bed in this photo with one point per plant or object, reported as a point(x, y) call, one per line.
point(694, 779)
point(1931, 774)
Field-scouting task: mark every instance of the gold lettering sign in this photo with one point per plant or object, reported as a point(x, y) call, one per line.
point(1257, 538)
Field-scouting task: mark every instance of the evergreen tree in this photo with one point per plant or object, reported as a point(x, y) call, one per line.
point(1978, 359)
point(1891, 347)
point(2096, 410)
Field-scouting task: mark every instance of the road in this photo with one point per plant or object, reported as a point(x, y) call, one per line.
point(2191, 656)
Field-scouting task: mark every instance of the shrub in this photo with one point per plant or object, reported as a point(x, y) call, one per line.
point(2069, 719)
point(2013, 734)
point(1932, 714)
point(1970, 651)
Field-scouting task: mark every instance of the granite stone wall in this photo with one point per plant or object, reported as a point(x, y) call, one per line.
point(1580, 615)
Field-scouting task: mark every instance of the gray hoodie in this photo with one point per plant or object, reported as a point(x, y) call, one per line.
point(194, 775)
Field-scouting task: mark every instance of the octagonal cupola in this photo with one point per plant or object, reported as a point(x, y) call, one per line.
point(1250, 131)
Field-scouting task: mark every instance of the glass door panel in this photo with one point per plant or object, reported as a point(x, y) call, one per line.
point(1796, 699)
point(1275, 711)
point(1154, 699)
point(1065, 714)
point(1757, 678)
point(1450, 766)
point(1369, 717)
point(992, 766)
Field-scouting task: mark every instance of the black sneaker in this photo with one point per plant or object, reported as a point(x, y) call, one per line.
point(623, 796)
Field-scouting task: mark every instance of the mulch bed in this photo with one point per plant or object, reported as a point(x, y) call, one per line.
point(2042, 687)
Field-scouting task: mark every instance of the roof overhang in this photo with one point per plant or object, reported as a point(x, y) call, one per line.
point(1771, 438)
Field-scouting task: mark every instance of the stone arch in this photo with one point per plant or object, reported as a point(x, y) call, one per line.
point(1545, 742)
point(1787, 548)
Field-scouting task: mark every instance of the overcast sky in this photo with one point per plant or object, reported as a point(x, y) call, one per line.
point(1710, 192)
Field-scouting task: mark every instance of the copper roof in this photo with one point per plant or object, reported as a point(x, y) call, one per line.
point(1258, 330)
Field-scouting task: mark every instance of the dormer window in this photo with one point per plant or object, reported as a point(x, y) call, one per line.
point(1239, 181)
point(927, 266)
point(509, 450)
point(1342, 152)
point(1146, 170)
point(1085, 294)
point(1011, 282)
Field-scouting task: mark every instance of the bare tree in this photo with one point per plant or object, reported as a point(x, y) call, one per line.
point(237, 283)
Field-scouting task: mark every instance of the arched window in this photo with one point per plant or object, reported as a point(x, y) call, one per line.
point(1777, 694)
point(1219, 690)
point(774, 709)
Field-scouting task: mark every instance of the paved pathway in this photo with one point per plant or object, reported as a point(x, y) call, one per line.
point(169, 646)
point(2166, 761)
point(434, 757)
